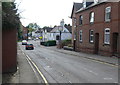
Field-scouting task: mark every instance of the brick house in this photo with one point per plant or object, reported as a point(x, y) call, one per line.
point(76, 7)
point(24, 33)
point(98, 28)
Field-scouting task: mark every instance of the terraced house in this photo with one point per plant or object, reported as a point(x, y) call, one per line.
point(97, 28)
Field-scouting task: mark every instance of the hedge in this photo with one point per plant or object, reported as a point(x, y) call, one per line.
point(66, 42)
point(49, 43)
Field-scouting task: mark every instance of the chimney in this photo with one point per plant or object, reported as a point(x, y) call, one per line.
point(62, 22)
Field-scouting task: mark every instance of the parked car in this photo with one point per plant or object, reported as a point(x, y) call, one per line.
point(37, 38)
point(29, 47)
point(24, 42)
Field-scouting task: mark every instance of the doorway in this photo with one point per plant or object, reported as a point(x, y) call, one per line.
point(96, 43)
point(115, 44)
point(57, 37)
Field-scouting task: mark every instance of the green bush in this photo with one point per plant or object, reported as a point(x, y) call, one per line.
point(50, 43)
point(42, 43)
point(66, 42)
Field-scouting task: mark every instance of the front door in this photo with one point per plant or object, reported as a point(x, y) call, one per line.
point(96, 43)
point(115, 44)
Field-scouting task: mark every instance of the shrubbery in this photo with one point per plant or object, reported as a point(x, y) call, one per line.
point(49, 43)
point(66, 42)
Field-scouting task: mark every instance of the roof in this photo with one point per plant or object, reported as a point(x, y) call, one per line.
point(54, 29)
point(47, 28)
point(92, 5)
point(76, 7)
point(69, 28)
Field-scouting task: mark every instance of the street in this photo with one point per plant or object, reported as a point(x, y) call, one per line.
point(59, 67)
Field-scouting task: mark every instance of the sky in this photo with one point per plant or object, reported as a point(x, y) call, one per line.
point(45, 12)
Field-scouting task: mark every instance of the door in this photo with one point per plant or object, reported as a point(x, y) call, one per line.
point(115, 44)
point(96, 43)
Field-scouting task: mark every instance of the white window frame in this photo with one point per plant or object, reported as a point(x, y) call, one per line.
point(91, 35)
point(107, 36)
point(108, 13)
point(80, 37)
point(92, 16)
point(75, 20)
point(81, 20)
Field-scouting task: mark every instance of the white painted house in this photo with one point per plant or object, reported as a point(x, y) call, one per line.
point(54, 33)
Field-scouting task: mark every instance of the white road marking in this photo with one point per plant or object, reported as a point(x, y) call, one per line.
point(90, 71)
point(70, 82)
point(107, 78)
point(115, 82)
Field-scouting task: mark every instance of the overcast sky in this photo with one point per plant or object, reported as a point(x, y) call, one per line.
point(45, 12)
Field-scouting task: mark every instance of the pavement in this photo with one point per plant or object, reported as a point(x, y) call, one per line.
point(24, 71)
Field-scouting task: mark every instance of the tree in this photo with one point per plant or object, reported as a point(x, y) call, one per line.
point(33, 25)
point(10, 18)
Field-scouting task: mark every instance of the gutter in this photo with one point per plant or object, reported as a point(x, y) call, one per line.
point(93, 5)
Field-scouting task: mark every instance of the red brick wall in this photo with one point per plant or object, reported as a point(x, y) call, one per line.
point(24, 33)
point(98, 27)
point(9, 51)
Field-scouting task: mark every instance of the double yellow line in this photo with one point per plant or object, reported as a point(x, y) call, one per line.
point(38, 70)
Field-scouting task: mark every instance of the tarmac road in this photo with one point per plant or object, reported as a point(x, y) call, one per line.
point(59, 67)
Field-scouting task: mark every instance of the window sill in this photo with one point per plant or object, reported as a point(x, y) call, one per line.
point(105, 44)
point(91, 23)
point(107, 21)
point(91, 42)
point(81, 25)
point(80, 41)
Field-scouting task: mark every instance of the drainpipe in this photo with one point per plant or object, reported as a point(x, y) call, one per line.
point(0, 42)
point(119, 28)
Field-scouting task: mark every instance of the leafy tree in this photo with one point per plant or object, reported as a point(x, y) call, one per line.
point(33, 25)
point(10, 18)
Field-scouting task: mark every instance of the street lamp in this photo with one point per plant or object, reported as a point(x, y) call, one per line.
point(60, 28)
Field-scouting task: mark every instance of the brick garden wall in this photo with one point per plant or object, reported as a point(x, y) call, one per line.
point(9, 51)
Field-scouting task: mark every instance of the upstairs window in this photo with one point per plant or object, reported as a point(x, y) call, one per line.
point(75, 22)
point(91, 36)
point(92, 14)
point(80, 20)
point(107, 36)
point(80, 35)
point(107, 13)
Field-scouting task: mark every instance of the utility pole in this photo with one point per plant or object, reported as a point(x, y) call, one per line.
point(0, 42)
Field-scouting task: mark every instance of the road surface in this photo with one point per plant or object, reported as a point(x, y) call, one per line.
point(59, 67)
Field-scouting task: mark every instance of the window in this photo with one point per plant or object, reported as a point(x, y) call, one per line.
point(107, 13)
point(92, 14)
point(75, 22)
point(80, 35)
point(75, 36)
point(107, 36)
point(91, 36)
point(81, 20)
